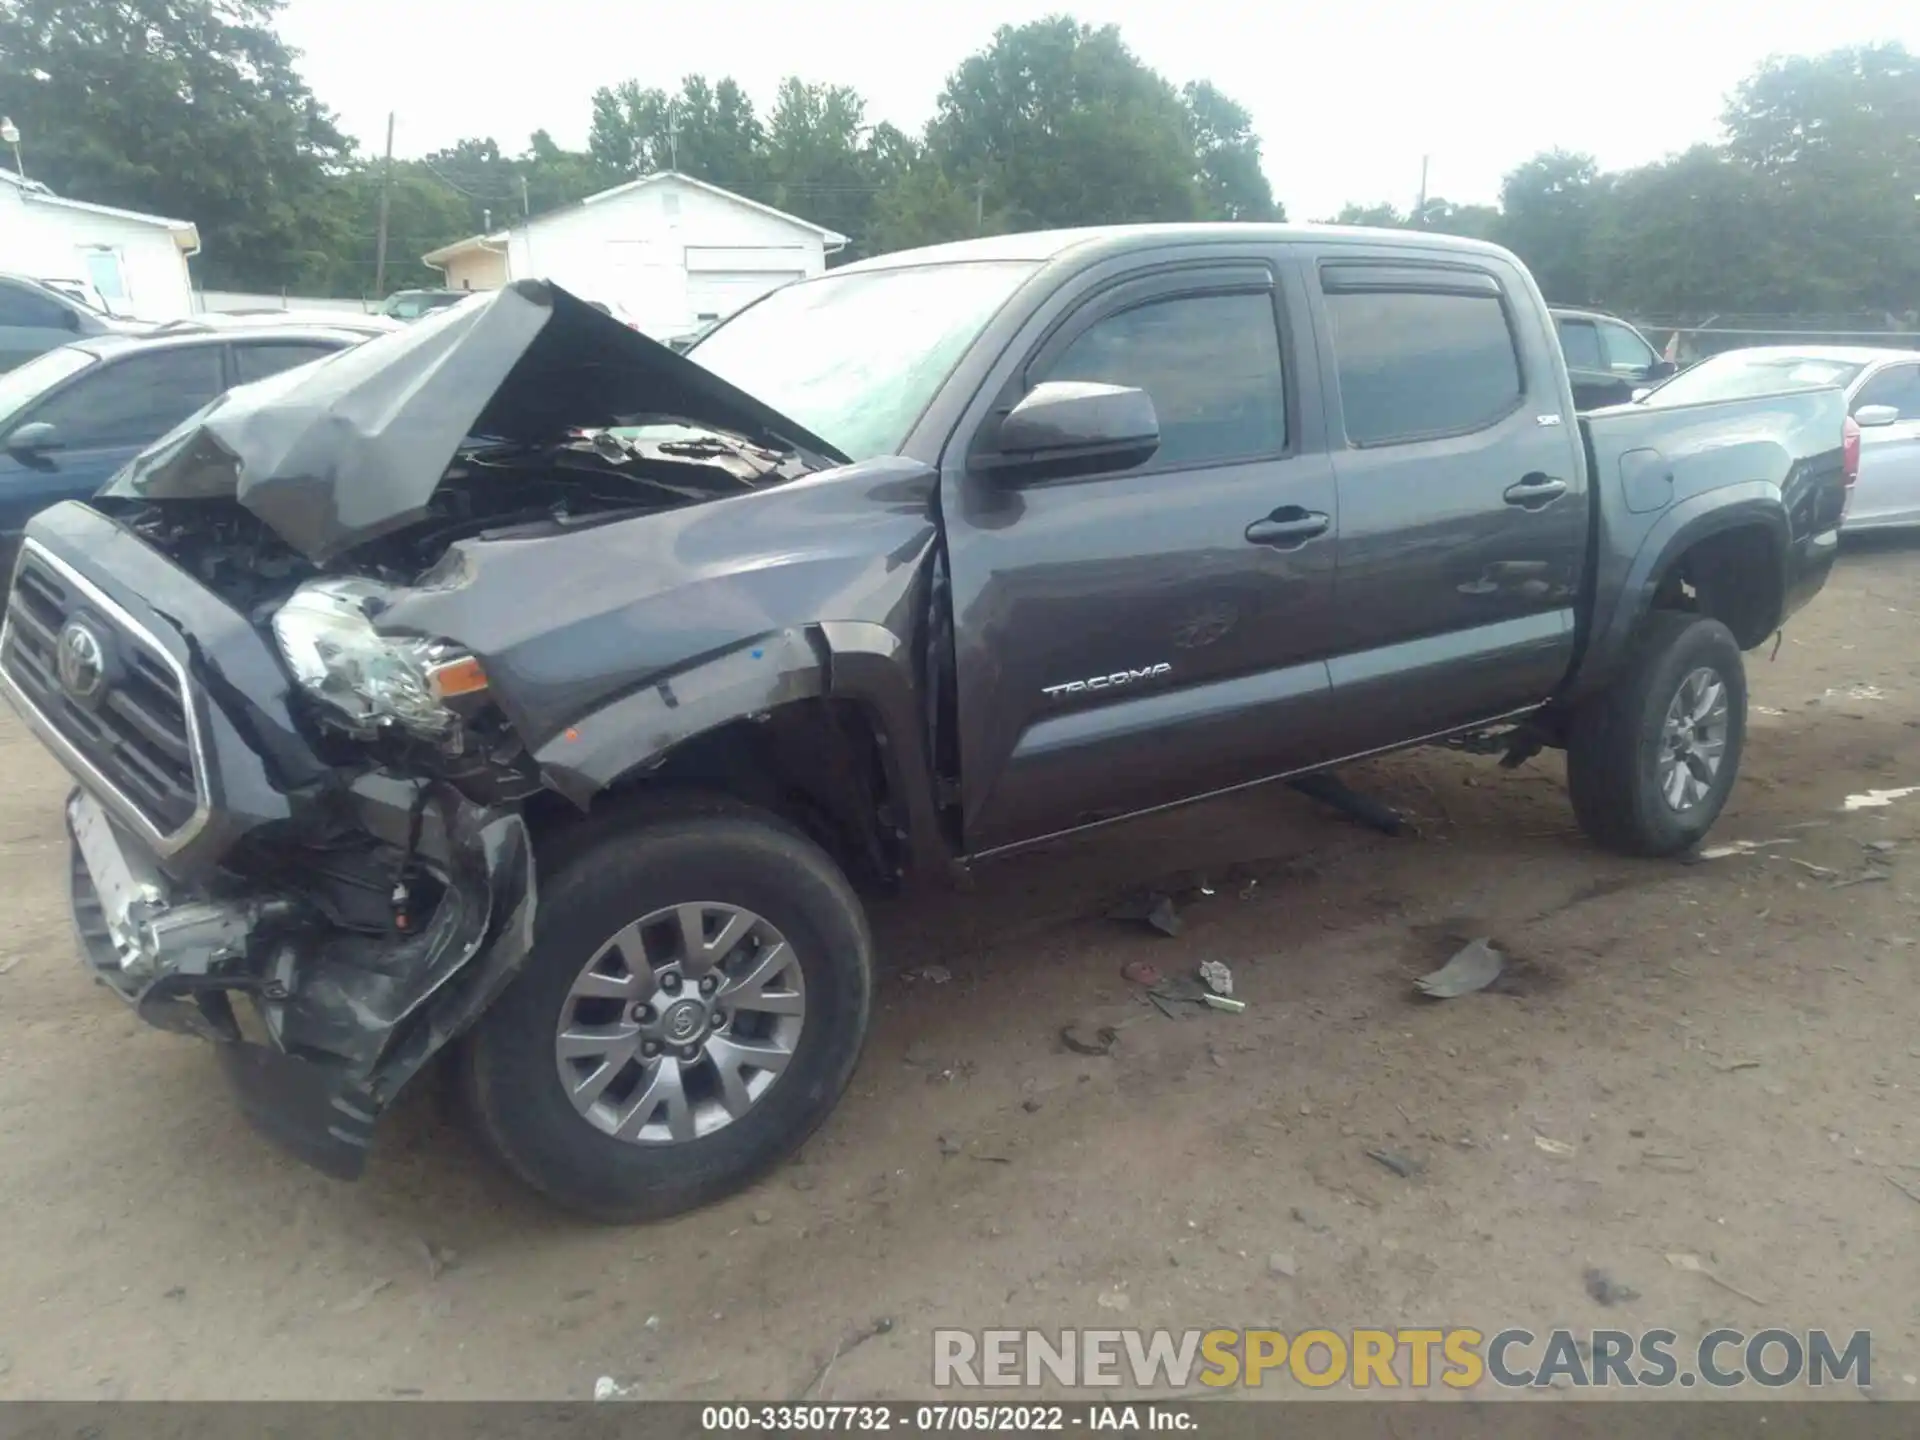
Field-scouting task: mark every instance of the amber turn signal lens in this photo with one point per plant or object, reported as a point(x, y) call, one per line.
point(455, 678)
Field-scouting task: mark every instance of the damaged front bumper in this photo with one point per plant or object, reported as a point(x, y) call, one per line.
point(318, 1029)
point(329, 928)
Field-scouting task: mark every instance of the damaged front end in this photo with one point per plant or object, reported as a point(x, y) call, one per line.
point(298, 832)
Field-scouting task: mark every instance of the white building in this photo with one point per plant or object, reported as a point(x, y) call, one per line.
point(667, 252)
point(136, 263)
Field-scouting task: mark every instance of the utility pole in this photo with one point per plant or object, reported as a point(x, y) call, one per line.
point(1420, 205)
point(673, 136)
point(526, 210)
point(979, 204)
point(386, 200)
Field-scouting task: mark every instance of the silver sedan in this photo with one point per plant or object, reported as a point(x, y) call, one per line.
point(1883, 396)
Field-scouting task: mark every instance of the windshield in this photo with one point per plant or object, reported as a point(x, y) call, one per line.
point(1743, 374)
point(20, 387)
point(856, 357)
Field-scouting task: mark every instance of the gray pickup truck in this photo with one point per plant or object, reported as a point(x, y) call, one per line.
point(516, 682)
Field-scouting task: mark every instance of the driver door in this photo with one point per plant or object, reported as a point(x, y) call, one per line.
point(1131, 638)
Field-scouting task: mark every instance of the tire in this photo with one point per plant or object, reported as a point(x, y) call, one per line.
point(1615, 749)
point(716, 854)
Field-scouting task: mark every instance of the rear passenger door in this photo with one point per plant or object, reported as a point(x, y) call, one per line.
point(1463, 507)
point(1132, 638)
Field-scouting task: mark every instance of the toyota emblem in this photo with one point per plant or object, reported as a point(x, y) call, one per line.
point(81, 662)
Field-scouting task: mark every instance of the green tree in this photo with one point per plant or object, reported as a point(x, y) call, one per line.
point(1443, 217)
point(1065, 126)
point(1228, 156)
point(190, 108)
point(1690, 236)
point(1549, 207)
point(708, 131)
point(817, 157)
point(1381, 217)
point(1836, 140)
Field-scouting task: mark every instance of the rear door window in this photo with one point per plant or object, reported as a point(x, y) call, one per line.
point(1417, 364)
point(135, 400)
point(24, 309)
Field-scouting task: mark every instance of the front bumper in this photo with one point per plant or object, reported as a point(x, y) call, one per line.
point(204, 829)
point(317, 1035)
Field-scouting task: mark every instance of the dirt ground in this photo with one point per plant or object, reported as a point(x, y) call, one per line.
point(1728, 1050)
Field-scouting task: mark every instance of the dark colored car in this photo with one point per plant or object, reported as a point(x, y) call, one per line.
point(36, 318)
point(515, 681)
point(1607, 359)
point(72, 416)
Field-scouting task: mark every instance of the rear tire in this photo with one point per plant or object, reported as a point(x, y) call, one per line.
point(730, 868)
point(1648, 776)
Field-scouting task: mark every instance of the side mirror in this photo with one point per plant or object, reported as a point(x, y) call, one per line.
point(1867, 417)
point(1065, 427)
point(1661, 369)
point(34, 439)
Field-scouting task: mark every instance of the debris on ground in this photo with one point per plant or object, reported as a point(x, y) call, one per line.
point(1874, 799)
point(1867, 878)
point(1881, 847)
point(948, 1148)
point(853, 1342)
point(1222, 1002)
point(1335, 792)
point(920, 1055)
point(1215, 975)
point(1177, 990)
point(933, 974)
point(1913, 1195)
point(438, 1257)
point(1149, 907)
point(1553, 1147)
point(1310, 1220)
point(1740, 847)
point(1693, 1265)
point(1140, 972)
point(763, 1217)
point(1030, 1105)
point(1113, 1300)
point(1101, 1042)
point(608, 1388)
point(8, 963)
point(1819, 872)
point(1605, 1289)
point(1281, 1263)
point(1474, 966)
point(1405, 1166)
point(364, 1298)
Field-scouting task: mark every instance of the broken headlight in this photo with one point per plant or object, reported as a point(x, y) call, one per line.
point(365, 678)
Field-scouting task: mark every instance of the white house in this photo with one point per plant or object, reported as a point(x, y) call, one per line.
point(669, 251)
point(137, 263)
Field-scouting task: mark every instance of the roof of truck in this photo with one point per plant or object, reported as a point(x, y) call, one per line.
point(1040, 245)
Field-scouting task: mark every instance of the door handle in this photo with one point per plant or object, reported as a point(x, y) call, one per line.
point(1534, 491)
point(1288, 526)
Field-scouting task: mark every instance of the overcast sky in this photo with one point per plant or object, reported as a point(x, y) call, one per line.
point(1346, 96)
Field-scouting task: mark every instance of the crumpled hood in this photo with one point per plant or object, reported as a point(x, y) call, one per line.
point(349, 448)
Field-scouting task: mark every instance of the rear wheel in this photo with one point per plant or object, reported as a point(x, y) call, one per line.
point(693, 1007)
point(1650, 762)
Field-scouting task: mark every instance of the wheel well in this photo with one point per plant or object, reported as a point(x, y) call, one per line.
point(1734, 576)
point(815, 763)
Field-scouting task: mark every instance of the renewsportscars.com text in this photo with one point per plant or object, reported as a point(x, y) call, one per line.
point(1457, 1358)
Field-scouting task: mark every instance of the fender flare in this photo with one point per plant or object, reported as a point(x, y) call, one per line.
point(856, 661)
point(1697, 518)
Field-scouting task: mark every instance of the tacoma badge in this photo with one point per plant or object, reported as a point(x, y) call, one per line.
point(1109, 682)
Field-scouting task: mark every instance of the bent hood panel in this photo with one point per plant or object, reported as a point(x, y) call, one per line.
point(338, 452)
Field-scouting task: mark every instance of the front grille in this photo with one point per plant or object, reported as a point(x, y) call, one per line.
point(135, 733)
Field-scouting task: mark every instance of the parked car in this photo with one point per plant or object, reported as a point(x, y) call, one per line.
point(34, 319)
point(1882, 387)
point(362, 324)
point(412, 304)
point(572, 742)
point(73, 416)
point(1607, 359)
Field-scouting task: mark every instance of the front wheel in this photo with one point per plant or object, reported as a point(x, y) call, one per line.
point(692, 1009)
point(1651, 761)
